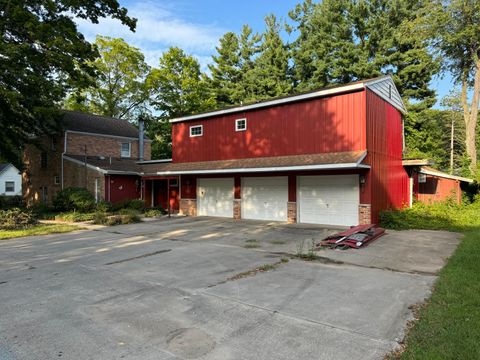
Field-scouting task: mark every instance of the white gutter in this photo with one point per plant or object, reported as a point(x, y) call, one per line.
point(446, 176)
point(96, 168)
point(154, 161)
point(337, 90)
point(269, 169)
point(107, 135)
point(63, 156)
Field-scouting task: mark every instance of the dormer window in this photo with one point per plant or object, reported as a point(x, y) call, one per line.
point(196, 130)
point(240, 124)
point(125, 150)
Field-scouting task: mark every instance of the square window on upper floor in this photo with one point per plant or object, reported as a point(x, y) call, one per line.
point(196, 130)
point(240, 124)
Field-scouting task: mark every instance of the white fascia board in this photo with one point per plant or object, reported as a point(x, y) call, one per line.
point(75, 161)
point(326, 92)
point(269, 169)
point(155, 161)
point(106, 135)
point(446, 176)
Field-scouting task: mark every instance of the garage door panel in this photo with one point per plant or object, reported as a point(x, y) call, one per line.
point(215, 197)
point(329, 200)
point(265, 198)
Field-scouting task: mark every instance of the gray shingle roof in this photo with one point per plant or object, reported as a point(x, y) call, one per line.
point(96, 124)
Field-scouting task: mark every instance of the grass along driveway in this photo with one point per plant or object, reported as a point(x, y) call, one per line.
point(448, 325)
point(41, 229)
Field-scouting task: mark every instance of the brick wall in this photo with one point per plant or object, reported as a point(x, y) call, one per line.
point(188, 207)
point(76, 175)
point(94, 145)
point(292, 212)
point(34, 177)
point(364, 214)
point(237, 209)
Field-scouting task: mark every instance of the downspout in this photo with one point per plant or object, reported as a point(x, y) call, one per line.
point(141, 140)
point(63, 154)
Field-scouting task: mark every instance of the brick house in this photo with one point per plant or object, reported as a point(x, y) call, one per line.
point(61, 161)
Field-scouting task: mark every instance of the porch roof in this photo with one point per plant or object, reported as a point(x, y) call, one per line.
point(326, 161)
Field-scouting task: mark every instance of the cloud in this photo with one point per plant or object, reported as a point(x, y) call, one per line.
point(157, 29)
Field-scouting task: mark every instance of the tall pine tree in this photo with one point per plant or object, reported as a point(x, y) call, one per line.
point(269, 76)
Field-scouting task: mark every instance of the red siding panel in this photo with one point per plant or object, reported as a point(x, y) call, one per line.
point(387, 183)
point(123, 187)
point(332, 124)
point(437, 189)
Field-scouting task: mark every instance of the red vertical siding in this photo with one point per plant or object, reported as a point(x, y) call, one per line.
point(188, 185)
point(387, 182)
point(437, 189)
point(124, 187)
point(332, 124)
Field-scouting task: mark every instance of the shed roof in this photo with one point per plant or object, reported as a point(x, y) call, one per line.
point(434, 172)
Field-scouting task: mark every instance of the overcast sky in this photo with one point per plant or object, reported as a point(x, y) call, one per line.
point(195, 26)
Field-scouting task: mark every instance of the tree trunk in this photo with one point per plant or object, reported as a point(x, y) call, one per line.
point(470, 115)
point(452, 133)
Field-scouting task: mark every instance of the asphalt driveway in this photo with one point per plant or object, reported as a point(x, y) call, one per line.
point(186, 288)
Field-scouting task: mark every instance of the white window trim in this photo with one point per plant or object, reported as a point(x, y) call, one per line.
point(129, 150)
point(237, 121)
point(196, 126)
point(9, 191)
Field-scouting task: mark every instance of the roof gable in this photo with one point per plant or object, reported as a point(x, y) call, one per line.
point(386, 89)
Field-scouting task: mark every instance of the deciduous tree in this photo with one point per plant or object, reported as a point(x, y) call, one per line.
point(42, 55)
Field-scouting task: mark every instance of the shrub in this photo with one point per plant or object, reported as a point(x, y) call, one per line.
point(128, 212)
point(104, 206)
point(100, 218)
point(17, 219)
point(69, 199)
point(8, 202)
point(74, 217)
point(439, 216)
point(128, 217)
point(135, 204)
point(154, 212)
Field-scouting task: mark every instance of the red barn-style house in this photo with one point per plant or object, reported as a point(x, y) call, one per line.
point(332, 156)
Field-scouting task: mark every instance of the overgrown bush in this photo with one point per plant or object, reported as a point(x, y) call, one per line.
point(154, 212)
point(74, 217)
point(104, 206)
point(135, 204)
point(439, 216)
point(78, 199)
point(17, 218)
point(8, 202)
point(101, 218)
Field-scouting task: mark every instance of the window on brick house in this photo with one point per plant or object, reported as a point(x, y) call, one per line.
point(53, 143)
point(44, 160)
point(56, 180)
point(44, 194)
point(125, 150)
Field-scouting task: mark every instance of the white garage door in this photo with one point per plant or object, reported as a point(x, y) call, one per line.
point(265, 198)
point(330, 200)
point(215, 197)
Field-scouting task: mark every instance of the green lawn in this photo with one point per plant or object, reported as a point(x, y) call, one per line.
point(41, 229)
point(449, 324)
